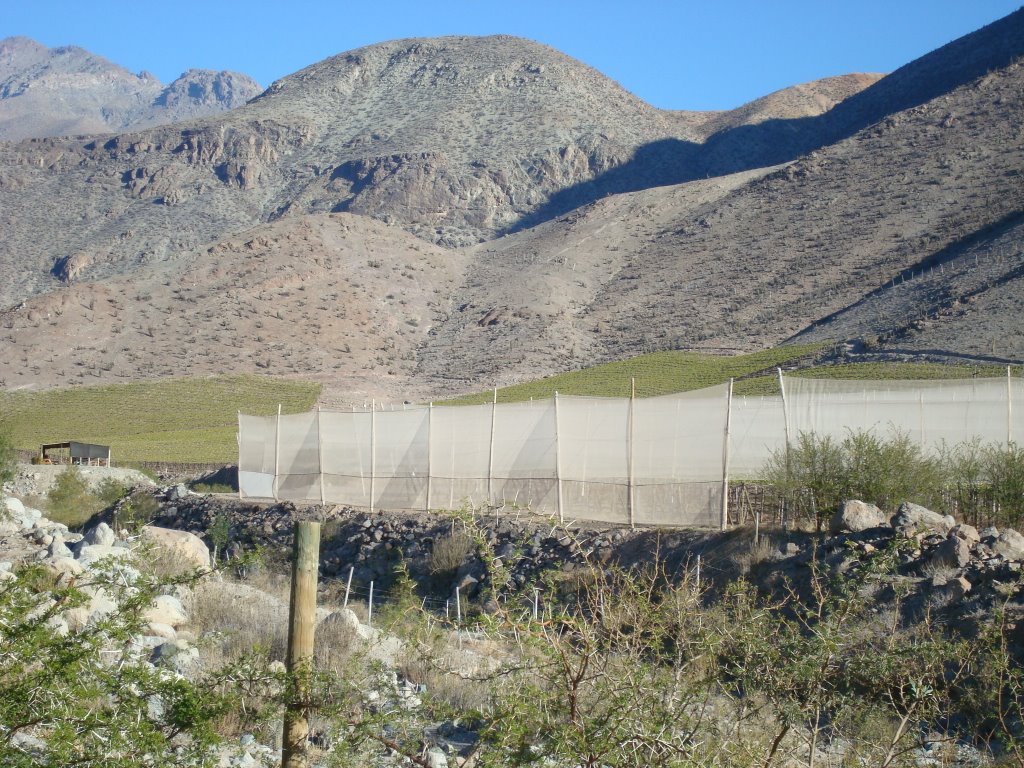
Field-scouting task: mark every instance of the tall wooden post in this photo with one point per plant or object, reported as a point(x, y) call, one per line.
point(301, 623)
point(558, 464)
point(320, 456)
point(430, 452)
point(724, 522)
point(630, 501)
point(1009, 407)
point(490, 453)
point(277, 453)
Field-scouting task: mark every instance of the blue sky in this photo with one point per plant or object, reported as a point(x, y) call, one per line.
point(682, 54)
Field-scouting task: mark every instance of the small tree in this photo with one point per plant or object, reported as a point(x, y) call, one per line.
point(8, 460)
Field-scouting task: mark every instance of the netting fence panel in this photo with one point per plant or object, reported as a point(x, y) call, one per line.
point(345, 438)
point(257, 449)
point(401, 458)
point(757, 429)
point(460, 440)
point(298, 475)
point(930, 413)
point(593, 458)
point(660, 461)
point(524, 459)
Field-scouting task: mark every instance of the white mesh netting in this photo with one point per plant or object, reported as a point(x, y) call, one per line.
point(655, 461)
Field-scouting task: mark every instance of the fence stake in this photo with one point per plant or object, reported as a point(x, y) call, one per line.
point(629, 455)
point(725, 459)
point(369, 611)
point(698, 572)
point(430, 448)
point(558, 464)
point(1009, 407)
point(373, 451)
point(536, 602)
point(785, 416)
point(348, 585)
point(490, 453)
point(458, 607)
point(320, 455)
point(301, 623)
point(277, 452)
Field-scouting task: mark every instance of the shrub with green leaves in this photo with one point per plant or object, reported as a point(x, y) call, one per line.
point(816, 473)
point(62, 701)
point(8, 459)
point(70, 501)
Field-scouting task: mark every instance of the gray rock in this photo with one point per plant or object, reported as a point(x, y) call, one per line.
point(436, 758)
point(58, 549)
point(101, 535)
point(177, 655)
point(954, 552)
point(911, 519)
point(855, 515)
point(1010, 545)
point(966, 532)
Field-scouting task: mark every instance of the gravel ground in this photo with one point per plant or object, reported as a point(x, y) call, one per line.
point(37, 479)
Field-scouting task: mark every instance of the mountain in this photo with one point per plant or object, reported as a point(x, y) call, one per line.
point(423, 217)
point(69, 91)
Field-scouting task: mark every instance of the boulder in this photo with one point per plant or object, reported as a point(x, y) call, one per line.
point(1010, 545)
point(185, 550)
point(101, 535)
point(954, 552)
point(166, 609)
point(177, 655)
point(11, 507)
point(966, 532)
point(911, 519)
point(855, 516)
point(90, 554)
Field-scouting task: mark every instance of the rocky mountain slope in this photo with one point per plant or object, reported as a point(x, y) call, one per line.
point(68, 91)
point(608, 227)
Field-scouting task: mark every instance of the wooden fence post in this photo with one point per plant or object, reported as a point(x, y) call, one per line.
point(301, 624)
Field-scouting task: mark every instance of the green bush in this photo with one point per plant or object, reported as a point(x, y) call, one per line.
point(111, 491)
point(816, 474)
point(70, 501)
point(8, 460)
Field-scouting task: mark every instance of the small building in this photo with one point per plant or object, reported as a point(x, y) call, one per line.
point(86, 454)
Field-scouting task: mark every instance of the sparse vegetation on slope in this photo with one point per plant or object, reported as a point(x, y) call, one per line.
point(188, 420)
point(662, 373)
point(657, 373)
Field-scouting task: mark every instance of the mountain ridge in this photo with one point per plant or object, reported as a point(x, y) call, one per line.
point(70, 91)
point(575, 238)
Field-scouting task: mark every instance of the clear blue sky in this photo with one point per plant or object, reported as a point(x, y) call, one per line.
point(676, 54)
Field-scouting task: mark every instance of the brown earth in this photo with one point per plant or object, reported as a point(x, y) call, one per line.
point(212, 246)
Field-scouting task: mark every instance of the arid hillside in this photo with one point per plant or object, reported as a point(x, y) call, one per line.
point(454, 139)
point(422, 218)
point(70, 91)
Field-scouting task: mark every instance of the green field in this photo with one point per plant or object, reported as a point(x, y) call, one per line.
point(186, 420)
point(661, 373)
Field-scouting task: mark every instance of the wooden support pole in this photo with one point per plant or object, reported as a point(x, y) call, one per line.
point(277, 453)
point(301, 624)
point(373, 452)
point(1009, 407)
point(430, 450)
point(725, 458)
point(558, 464)
point(630, 501)
point(320, 455)
point(490, 454)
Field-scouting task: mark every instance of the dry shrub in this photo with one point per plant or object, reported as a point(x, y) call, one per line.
point(450, 552)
